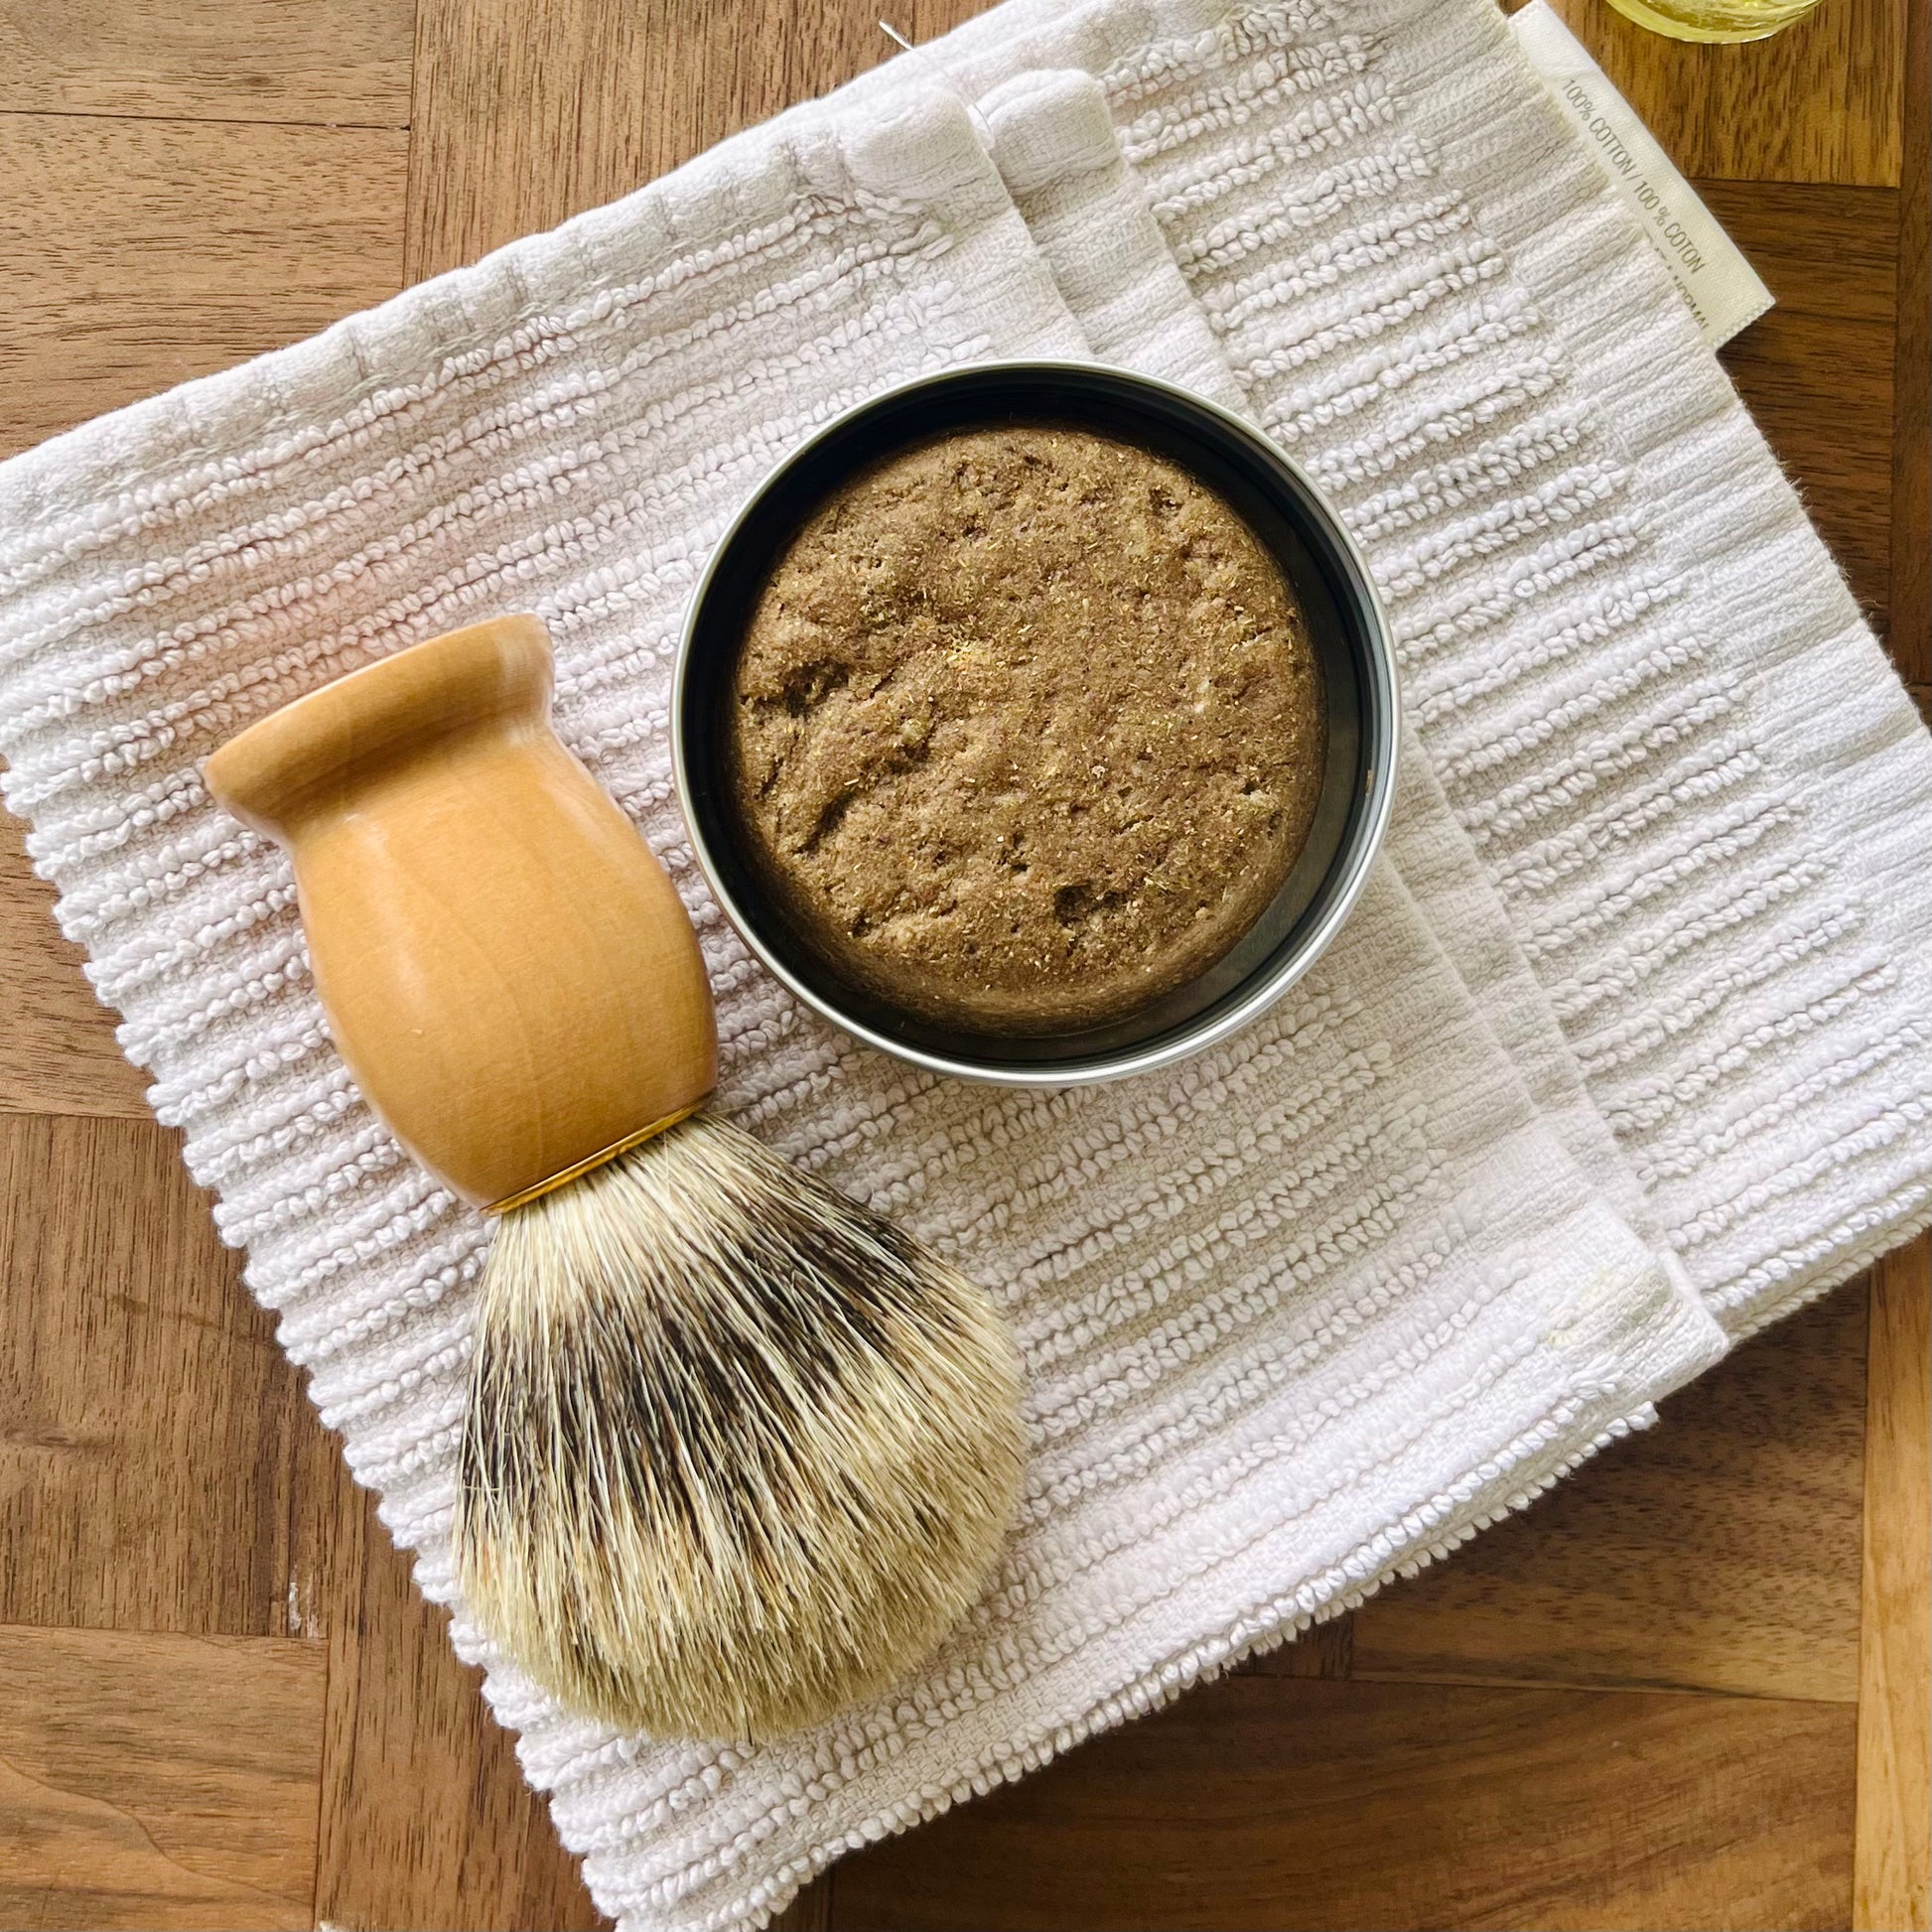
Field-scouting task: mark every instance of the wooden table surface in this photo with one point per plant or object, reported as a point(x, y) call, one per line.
point(1687, 1688)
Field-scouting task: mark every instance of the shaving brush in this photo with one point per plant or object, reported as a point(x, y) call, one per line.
point(738, 1452)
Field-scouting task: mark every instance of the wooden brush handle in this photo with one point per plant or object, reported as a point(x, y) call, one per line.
point(506, 967)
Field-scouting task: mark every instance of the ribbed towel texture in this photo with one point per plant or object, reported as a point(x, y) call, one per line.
point(1626, 1051)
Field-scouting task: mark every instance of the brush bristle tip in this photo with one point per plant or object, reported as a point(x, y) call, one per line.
point(739, 1452)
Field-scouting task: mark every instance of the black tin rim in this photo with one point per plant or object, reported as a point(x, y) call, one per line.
point(1289, 514)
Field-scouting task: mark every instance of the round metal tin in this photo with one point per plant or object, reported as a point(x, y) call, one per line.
point(1345, 619)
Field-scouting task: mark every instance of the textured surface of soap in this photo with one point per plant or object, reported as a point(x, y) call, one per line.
point(1028, 729)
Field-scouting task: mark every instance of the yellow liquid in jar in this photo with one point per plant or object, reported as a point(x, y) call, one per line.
point(1714, 20)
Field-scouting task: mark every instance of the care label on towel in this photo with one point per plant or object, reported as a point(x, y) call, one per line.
point(1720, 286)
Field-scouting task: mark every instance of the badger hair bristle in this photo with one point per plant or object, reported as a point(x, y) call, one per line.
point(738, 1452)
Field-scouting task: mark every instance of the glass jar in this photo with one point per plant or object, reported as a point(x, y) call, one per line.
point(1714, 20)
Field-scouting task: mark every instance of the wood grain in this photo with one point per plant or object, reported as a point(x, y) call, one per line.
point(57, 1051)
point(1328, 1650)
point(1892, 1867)
point(426, 1821)
point(340, 61)
point(1817, 372)
point(1911, 456)
point(1718, 1549)
point(153, 1434)
point(1893, 1885)
point(528, 111)
point(150, 252)
point(1284, 1803)
point(1819, 102)
point(141, 254)
point(810, 1911)
point(151, 1780)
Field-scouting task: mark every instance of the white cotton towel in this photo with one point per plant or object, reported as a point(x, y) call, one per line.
point(1087, 212)
point(1690, 773)
point(1298, 1314)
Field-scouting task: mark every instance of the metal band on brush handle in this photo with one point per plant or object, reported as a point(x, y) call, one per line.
point(596, 1161)
point(506, 967)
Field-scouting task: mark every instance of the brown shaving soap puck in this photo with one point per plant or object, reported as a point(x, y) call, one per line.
point(1027, 730)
